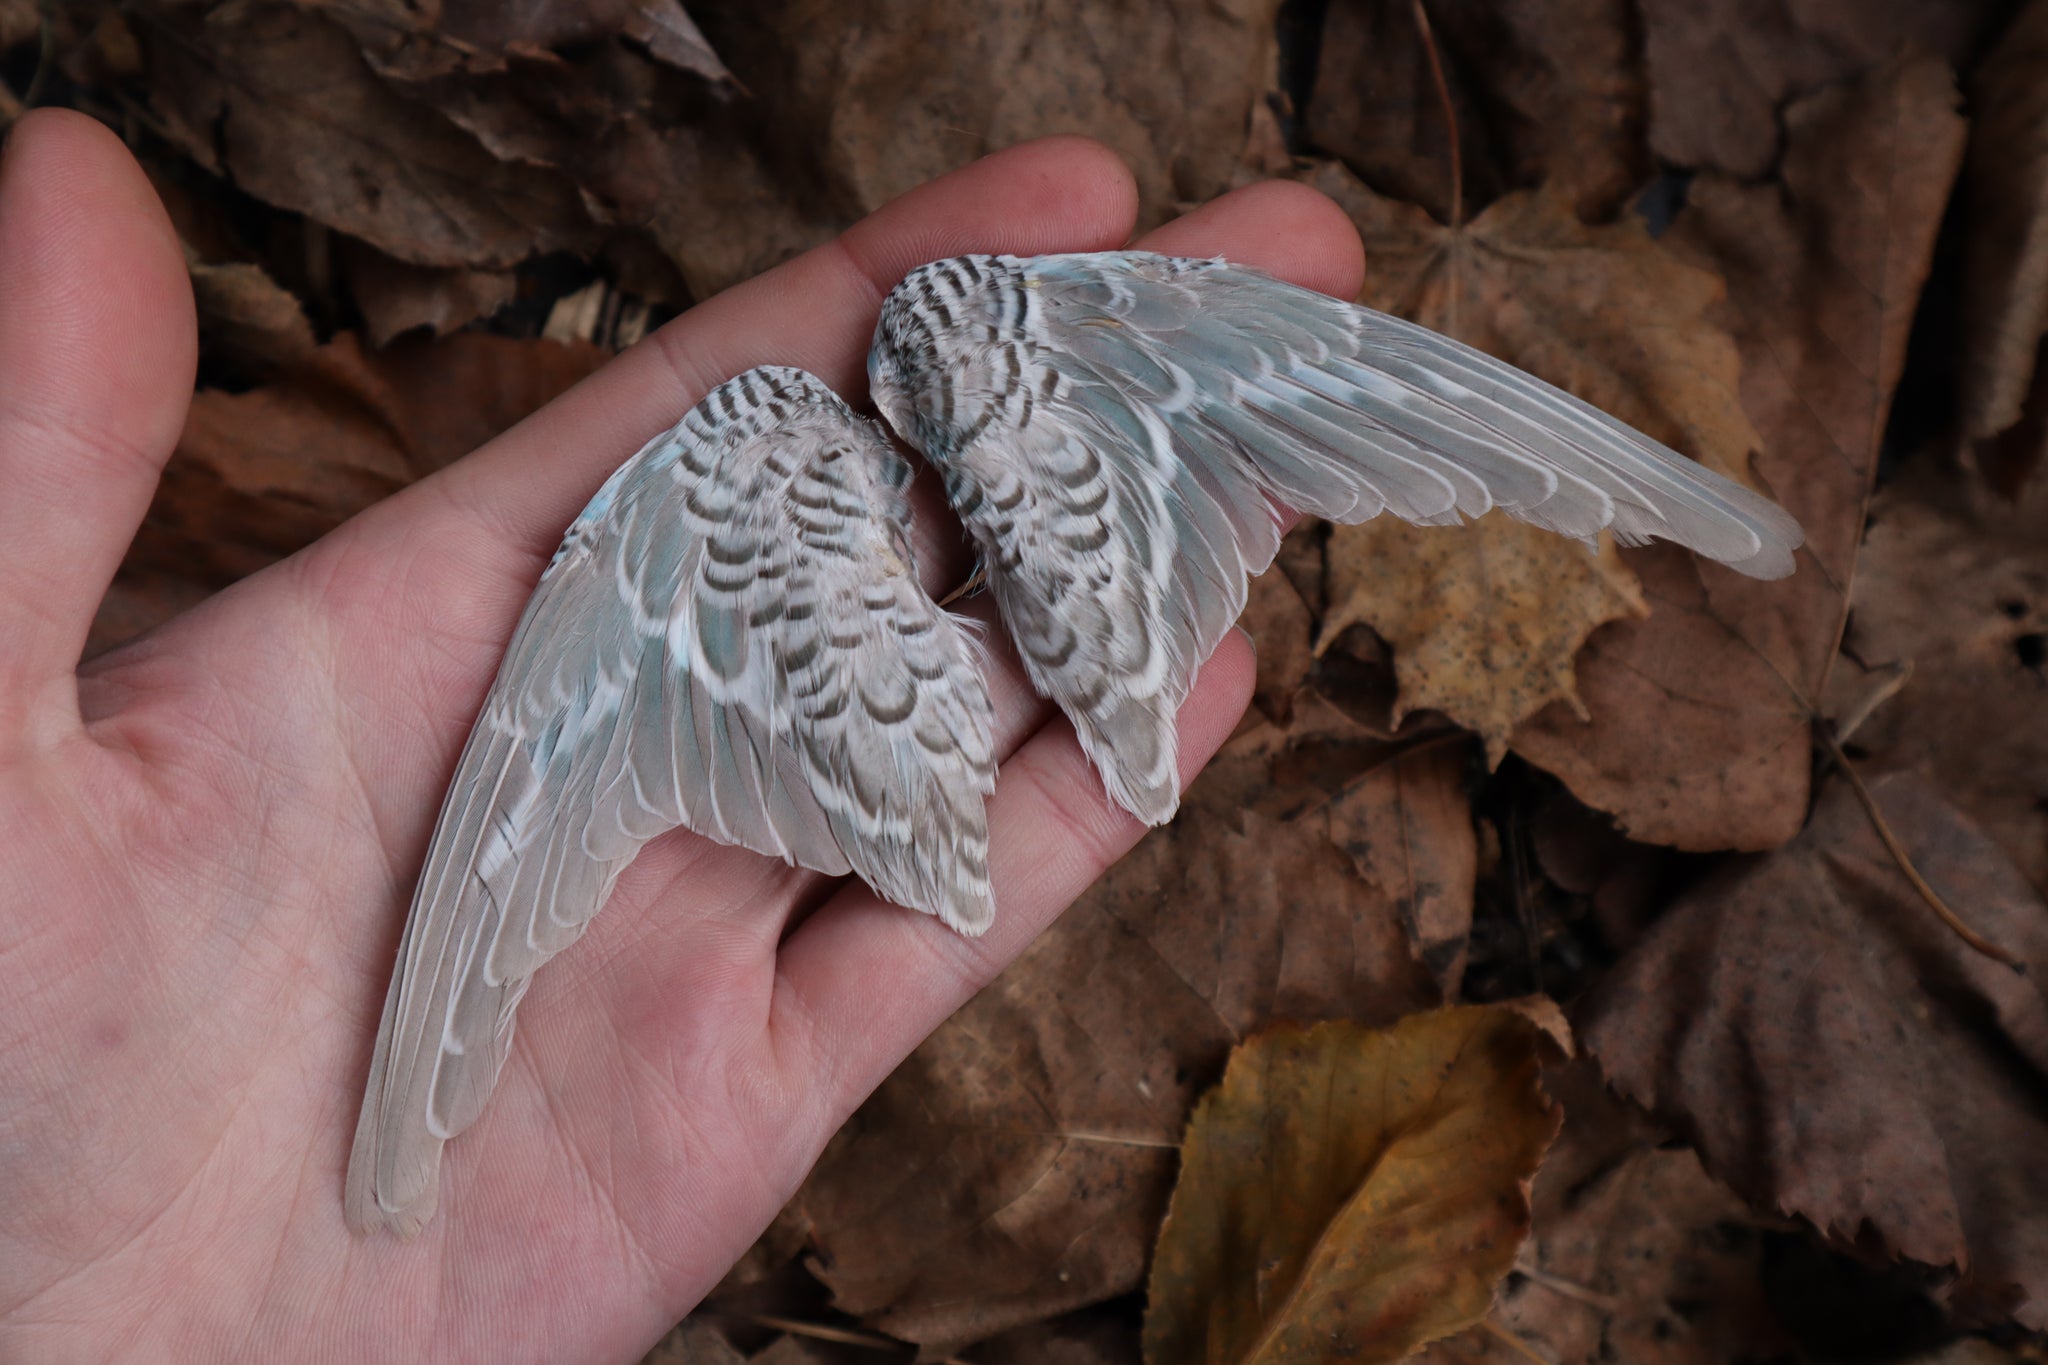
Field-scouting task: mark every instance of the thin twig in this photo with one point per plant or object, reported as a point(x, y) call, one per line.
point(1443, 95)
point(1570, 1289)
point(1905, 863)
point(1515, 1343)
point(819, 1331)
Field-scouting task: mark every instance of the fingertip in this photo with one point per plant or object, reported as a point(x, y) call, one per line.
point(1281, 227)
point(89, 259)
point(1065, 193)
point(1095, 182)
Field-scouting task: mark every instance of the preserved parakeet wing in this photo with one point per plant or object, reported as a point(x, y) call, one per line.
point(1120, 430)
point(732, 637)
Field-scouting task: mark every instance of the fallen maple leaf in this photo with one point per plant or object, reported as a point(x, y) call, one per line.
point(1701, 714)
point(1351, 1193)
point(1485, 619)
point(1484, 625)
point(1835, 1051)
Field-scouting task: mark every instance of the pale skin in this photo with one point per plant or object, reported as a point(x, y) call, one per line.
point(210, 835)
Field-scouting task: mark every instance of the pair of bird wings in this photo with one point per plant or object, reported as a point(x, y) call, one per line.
point(733, 637)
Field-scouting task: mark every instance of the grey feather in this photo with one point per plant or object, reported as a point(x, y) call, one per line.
point(1121, 430)
point(732, 638)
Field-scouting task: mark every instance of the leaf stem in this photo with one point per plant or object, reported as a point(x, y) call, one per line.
point(1905, 863)
point(1443, 95)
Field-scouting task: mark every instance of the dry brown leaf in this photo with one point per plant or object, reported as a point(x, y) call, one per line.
point(1721, 70)
point(1835, 1051)
point(396, 297)
point(1962, 598)
point(1543, 90)
point(1484, 622)
point(1700, 733)
point(1085, 1338)
point(1407, 827)
point(1492, 614)
point(246, 314)
point(1282, 627)
point(259, 474)
point(864, 96)
point(19, 22)
point(1017, 1165)
point(1350, 1193)
point(2003, 386)
point(280, 99)
point(1623, 1270)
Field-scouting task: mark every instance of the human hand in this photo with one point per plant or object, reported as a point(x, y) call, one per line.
point(211, 833)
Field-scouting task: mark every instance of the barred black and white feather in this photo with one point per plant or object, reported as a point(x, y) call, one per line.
point(1121, 432)
point(731, 638)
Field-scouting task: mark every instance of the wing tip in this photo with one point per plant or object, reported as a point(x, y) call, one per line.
point(364, 1208)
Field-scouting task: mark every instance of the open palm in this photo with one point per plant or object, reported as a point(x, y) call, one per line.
point(208, 837)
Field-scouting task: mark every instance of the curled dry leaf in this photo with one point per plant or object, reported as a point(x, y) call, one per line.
point(1701, 735)
point(1351, 1193)
point(1017, 1165)
point(2004, 387)
point(1834, 1051)
point(249, 316)
point(1485, 619)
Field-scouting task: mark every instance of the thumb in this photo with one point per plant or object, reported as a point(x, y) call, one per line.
point(97, 349)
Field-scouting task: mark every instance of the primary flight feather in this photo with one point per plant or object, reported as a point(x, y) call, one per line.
point(732, 637)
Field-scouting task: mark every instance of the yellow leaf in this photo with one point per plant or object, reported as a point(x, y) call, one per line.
point(1484, 619)
point(1352, 1194)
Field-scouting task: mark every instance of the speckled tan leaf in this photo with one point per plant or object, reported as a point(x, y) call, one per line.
point(1484, 621)
point(1350, 1193)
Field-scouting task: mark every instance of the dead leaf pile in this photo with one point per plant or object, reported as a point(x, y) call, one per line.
point(1248, 1100)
